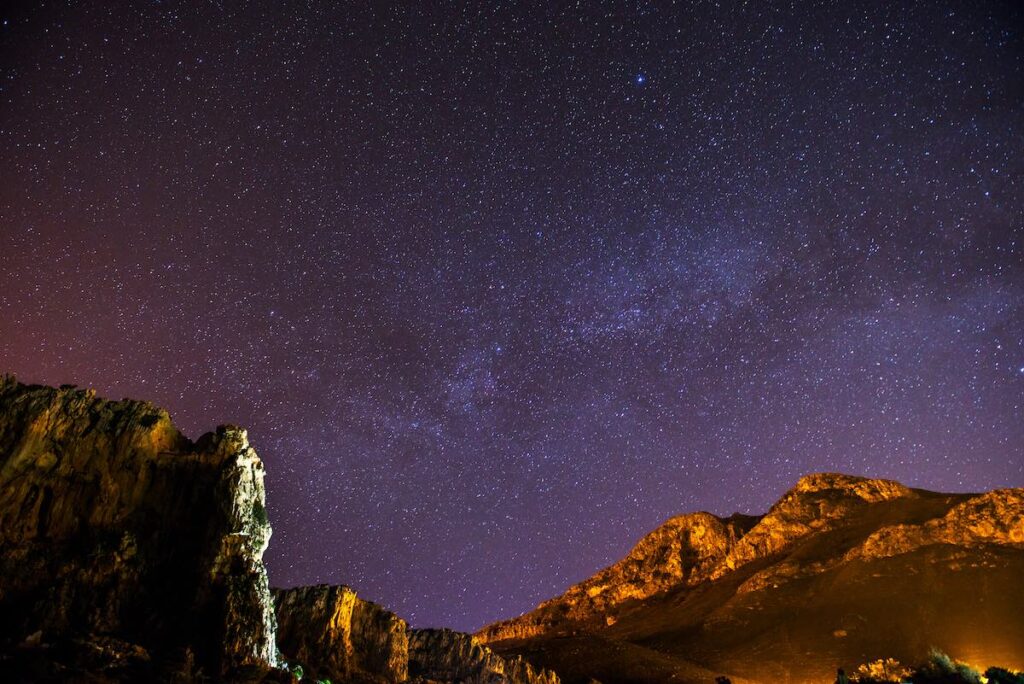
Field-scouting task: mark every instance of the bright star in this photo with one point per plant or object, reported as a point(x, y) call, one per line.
point(640, 79)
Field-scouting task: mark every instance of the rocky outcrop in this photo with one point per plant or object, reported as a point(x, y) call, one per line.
point(333, 634)
point(444, 655)
point(128, 552)
point(336, 635)
point(996, 517)
point(840, 568)
point(818, 502)
point(120, 535)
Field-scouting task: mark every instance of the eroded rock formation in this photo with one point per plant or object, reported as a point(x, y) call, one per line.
point(333, 634)
point(336, 635)
point(128, 552)
point(684, 550)
point(996, 517)
point(444, 655)
point(118, 534)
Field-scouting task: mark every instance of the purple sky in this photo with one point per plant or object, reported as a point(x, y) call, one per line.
point(497, 289)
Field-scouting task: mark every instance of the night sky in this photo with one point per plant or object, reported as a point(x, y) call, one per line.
point(497, 289)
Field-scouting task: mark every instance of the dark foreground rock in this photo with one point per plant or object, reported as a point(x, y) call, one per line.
point(124, 545)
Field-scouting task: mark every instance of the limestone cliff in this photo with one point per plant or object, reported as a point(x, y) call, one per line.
point(128, 552)
point(839, 569)
point(123, 541)
point(333, 634)
point(996, 517)
point(336, 635)
point(817, 503)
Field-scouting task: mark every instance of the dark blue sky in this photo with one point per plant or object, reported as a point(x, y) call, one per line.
point(498, 288)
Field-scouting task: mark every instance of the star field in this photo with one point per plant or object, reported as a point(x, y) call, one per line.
point(498, 288)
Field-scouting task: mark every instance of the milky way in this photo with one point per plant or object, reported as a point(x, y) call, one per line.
point(497, 289)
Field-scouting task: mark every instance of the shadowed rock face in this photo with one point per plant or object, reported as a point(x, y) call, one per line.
point(839, 568)
point(118, 534)
point(441, 654)
point(336, 635)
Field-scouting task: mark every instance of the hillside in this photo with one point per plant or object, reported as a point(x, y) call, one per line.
point(841, 570)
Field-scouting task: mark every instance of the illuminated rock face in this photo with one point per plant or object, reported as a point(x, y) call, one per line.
point(996, 517)
point(684, 550)
point(333, 634)
point(698, 548)
point(819, 502)
point(113, 523)
point(336, 635)
point(128, 552)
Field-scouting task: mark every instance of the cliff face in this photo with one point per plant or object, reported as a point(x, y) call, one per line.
point(121, 537)
point(683, 551)
point(336, 635)
point(838, 568)
point(128, 552)
point(333, 634)
point(996, 517)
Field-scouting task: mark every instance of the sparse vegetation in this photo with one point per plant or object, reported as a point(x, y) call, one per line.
point(259, 512)
point(882, 670)
point(939, 669)
point(998, 675)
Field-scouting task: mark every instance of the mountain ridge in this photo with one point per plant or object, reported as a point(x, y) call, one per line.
point(693, 576)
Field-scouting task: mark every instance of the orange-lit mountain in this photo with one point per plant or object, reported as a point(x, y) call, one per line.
point(841, 570)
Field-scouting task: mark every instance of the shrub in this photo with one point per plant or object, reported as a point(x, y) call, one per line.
point(941, 669)
point(259, 512)
point(998, 675)
point(882, 670)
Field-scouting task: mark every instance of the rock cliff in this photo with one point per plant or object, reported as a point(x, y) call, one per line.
point(336, 635)
point(444, 655)
point(996, 517)
point(684, 550)
point(129, 552)
point(123, 541)
point(333, 634)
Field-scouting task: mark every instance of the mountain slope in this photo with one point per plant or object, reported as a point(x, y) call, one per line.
point(839, 571)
